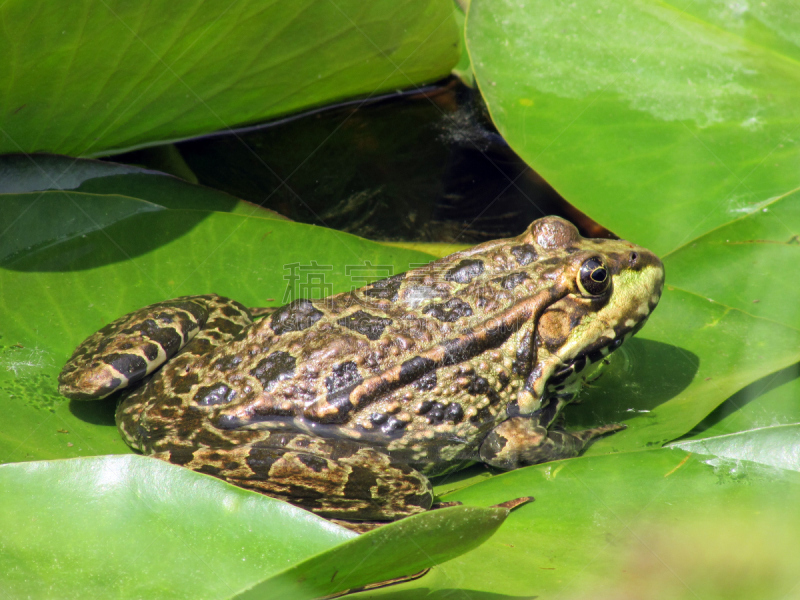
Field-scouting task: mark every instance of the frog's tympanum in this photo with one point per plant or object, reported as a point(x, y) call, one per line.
point(346, 405)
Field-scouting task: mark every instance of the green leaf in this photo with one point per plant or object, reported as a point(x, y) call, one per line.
point(748, 264)
point(89, 77)
point(771, 400)
point(660, 121)
point(401, 548)
point(136, 527)
point(777, 446)
point(636, 525)
point(20, 174)
point(691, 356)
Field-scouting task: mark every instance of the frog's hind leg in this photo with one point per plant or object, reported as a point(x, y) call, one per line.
point(339, 479)
point(522, 441)
point(130, 348)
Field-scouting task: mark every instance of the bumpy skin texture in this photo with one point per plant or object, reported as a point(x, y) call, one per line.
point(345, 405)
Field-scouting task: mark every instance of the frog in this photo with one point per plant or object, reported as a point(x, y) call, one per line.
point(347, 405)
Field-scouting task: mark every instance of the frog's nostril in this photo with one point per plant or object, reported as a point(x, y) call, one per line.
point(634, 258)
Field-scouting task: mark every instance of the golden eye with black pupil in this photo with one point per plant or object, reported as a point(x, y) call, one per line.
point(594, 277)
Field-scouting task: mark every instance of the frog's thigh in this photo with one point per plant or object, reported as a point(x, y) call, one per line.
point(333, 478)
point(523, 441)
point(135, 345)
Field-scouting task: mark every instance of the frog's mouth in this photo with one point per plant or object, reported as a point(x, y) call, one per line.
point(588, 362)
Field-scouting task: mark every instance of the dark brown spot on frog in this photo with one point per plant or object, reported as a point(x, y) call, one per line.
point(424, 407)
point(462, 348)
point(276, 367)
point(224, 326)
point(478, 385)
point(525, 254)
point(227, 363)
point(344, 375)
point(343, 379)
point(509, 282)
point(465, 271)
point(385, 289)
point(198, 347)
point(378, 418)
point(435, 413)
point(261, 459)
point(560, 376)
point(209, 470)
point(547, 414)
point(393, 425)
point(234, 310)
point(166, 337)
point(415, 368)
point(596, 355)
point(181, 456)
point(454, 413)
point(360, 483)
point(182, 384)
point(295, 316)
point(314, 463)
point(366, 324)
point(449, 311)
point(214, 394)
point(150, 351)
point(579, 364)
point(483, 415)
point(132, 366)
point(427, 382)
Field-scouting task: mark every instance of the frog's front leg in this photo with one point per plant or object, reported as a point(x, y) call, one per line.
point(522, 441)
point(339, 479)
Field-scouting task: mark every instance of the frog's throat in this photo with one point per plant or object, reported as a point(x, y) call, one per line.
point(335, 407)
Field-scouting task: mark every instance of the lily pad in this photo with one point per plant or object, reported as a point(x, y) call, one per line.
point(692, 355)
point(626, 522)
point(95, 76)
point(136, 527)
point(660, 121)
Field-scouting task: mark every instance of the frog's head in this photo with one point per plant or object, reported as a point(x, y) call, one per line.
point(608, 290)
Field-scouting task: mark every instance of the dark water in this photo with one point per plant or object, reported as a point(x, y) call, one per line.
point(423, 165)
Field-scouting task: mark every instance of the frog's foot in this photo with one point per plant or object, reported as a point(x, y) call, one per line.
point(337, 479)
point(130, 348)
point(522, 441)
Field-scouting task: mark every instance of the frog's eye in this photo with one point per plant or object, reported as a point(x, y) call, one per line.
point(594, 277)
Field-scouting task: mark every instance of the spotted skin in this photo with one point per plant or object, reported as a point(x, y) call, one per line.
point(347, 405)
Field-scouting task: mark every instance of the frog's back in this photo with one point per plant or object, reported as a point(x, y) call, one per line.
point(361, 365)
